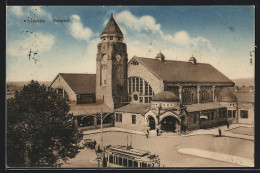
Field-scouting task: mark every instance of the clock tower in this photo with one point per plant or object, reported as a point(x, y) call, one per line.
point(111, 70)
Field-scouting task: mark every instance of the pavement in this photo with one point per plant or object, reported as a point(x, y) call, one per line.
point(201, 148)
point(211, 131)
point(218, 156)
point(224, 130)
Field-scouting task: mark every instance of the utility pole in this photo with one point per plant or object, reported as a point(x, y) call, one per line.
point(101, 123)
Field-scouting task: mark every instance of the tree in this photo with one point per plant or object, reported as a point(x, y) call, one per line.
point(40, 131)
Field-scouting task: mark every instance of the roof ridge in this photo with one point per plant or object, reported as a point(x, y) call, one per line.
point(172, 60)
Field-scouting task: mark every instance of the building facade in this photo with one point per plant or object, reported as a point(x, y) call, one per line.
point(151, 93)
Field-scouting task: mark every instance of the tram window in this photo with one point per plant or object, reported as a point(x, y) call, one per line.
point(120, 161)
point(130, 163)
point(135, 164)
point(125, 162)
point(110, 159)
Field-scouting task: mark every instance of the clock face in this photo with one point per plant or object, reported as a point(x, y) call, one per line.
point(118, 57)
point(104, 58)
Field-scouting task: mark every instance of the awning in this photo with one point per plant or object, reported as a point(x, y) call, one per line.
point(89, 109)
point(203, 106)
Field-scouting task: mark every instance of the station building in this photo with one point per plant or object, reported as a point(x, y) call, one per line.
point(150, 93)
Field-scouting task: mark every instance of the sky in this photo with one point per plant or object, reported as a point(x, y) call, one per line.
point(222, 36)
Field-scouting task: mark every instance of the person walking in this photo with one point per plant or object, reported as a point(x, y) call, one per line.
point(227, 125)
point(219, 132)
point(94, 143)
point(157, 131)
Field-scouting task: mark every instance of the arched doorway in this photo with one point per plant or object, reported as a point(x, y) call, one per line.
point(169, 124)
point(151, 122)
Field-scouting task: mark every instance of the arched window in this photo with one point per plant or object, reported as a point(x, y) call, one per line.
point(140, 90)
point(103, 80)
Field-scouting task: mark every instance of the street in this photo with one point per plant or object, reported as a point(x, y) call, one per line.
point(167, 148)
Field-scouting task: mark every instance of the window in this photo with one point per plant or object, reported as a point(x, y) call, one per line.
point(224, 114)
point(234, 113)
point(142, 88)
point(219, 114)
point(62, 93)
point(129, 86)
point(135, 97)
point(212, 115)
point(133, 119)
point(118, 117)
point(208, 116)
point(229, 113)
point(85, 98)
point(137, 84)
point(146, 88)
point(133, 83)
point(110, 38)
point(195, 119)
point(243, 113)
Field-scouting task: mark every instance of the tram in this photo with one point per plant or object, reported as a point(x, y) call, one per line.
point(124, 156)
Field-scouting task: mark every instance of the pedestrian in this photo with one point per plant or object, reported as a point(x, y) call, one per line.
point(219, 132)
point(227, 125)
point(157, 131)
point(95, 143)
point(147, 134)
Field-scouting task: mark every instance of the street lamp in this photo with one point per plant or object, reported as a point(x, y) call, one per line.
point(99, 155)
point(102, 156)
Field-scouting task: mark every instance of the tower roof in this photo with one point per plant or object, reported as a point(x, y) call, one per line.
point(160, 56)
point(112, 27)
point(165, 96)
point(228, 96)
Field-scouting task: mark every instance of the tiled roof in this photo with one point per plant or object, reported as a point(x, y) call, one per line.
point(80, 83)
point(112, 27)
point(183, 72)
point(243, 94)
point(203, 106)
point(89, 109)
point(138, 108)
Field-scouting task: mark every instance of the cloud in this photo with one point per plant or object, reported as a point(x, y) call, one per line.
point(35, 42)
point(77, 29)
point(16, 10)
point(144, 23)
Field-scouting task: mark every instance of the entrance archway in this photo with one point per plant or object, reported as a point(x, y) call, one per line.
point(169, 124)
point(151, 122)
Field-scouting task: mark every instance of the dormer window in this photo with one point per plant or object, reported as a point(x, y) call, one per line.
point(134, 62)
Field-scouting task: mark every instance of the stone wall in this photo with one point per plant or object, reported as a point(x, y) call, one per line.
point(127, 122)
point(251, 114)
